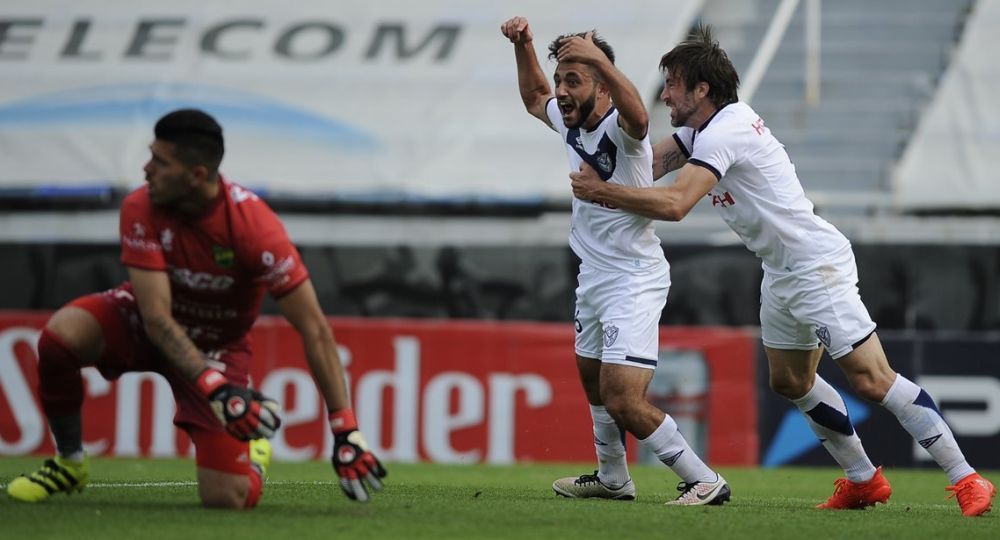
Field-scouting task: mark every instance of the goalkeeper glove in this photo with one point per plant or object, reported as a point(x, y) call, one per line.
point(354, 463)
point(245, 412)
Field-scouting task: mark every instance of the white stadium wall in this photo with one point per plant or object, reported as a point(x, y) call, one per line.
point(388, 99)
point(952, 159)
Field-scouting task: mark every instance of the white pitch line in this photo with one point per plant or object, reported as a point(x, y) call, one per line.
point(182, 483)
point(189, 483)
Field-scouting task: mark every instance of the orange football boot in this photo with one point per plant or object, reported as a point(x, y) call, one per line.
point(851, 496)
point(975, 495)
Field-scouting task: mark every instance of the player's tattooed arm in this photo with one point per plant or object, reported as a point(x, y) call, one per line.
point(170, 338)
point(152, 295)
point(667, 157)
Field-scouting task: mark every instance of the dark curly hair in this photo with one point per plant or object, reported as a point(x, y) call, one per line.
point(700, 59)
point(598, 40)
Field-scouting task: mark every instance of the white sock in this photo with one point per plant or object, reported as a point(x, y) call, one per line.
point(74, 456)
point(920, 417)
point(612, 469)
point(826, 413)
point(670, 447)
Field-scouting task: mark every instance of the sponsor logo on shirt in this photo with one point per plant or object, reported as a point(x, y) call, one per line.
point(200, 281)
point(604, 204)
point(140, 244)
point(137, 240)
point(167, 239)
point(725, 200)
point(278, 273)
point(186, 308)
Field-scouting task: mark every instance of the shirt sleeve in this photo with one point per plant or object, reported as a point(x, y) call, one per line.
point(715, 150)
point(682, 135)
point(139, 240)
point(555, 117)
point(631, 147)
point(275, 261)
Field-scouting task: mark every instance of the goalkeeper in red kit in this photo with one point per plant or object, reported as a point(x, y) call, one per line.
point(200, 252)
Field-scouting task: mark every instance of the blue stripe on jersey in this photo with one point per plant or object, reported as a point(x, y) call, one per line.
point(604, 160)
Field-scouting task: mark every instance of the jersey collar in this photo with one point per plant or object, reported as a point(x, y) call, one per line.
point(710, 118)
point(611, 109)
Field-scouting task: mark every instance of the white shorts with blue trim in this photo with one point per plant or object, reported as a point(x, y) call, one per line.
point(618, 315)
point(821, 304)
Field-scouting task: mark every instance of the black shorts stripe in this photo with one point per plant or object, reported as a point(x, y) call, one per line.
point(862, 341)
point(643, 361)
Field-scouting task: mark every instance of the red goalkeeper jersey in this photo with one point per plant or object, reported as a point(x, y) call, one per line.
point(219, 263)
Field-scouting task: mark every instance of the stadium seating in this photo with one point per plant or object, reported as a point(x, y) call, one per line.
point(879, 65)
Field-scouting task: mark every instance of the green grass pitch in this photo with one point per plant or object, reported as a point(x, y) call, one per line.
point(149, 499)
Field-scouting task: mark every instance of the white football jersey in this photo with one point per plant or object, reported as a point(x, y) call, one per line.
point(605, 237)
point(759, 195)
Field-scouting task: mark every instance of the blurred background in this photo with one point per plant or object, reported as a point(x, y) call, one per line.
point(390, 138)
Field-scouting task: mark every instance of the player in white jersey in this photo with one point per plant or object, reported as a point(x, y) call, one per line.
point(624, 278)
point(809, 294)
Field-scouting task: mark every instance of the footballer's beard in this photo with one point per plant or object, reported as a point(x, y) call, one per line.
point(171, 193)
point(680, 114)
point(585, 110)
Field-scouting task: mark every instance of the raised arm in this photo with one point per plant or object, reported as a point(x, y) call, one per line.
point(531, 82)
point(668, 203)
point(632, 113)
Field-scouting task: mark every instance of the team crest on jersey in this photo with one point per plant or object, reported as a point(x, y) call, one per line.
point(823, 333)
point(604, 161)
point(224, 256)
point(610, 335)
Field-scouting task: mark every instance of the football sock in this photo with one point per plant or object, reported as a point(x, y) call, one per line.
point(60, 389)
point(609, 441)
point(256, 487)
point(60, 385)
point(667, 443)
point(920, 417)
point(68, 433)
point(826, 413)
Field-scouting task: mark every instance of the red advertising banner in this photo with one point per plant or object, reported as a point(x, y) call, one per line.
point(442, 391)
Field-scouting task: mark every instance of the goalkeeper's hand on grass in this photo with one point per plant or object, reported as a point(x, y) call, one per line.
point(359, 470)
point(245, 412)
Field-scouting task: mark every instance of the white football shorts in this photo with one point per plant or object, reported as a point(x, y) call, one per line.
point(618, 315)
point(820, 304)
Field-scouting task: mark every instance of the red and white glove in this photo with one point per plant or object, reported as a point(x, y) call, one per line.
point(355, 464)
point(245, 412)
